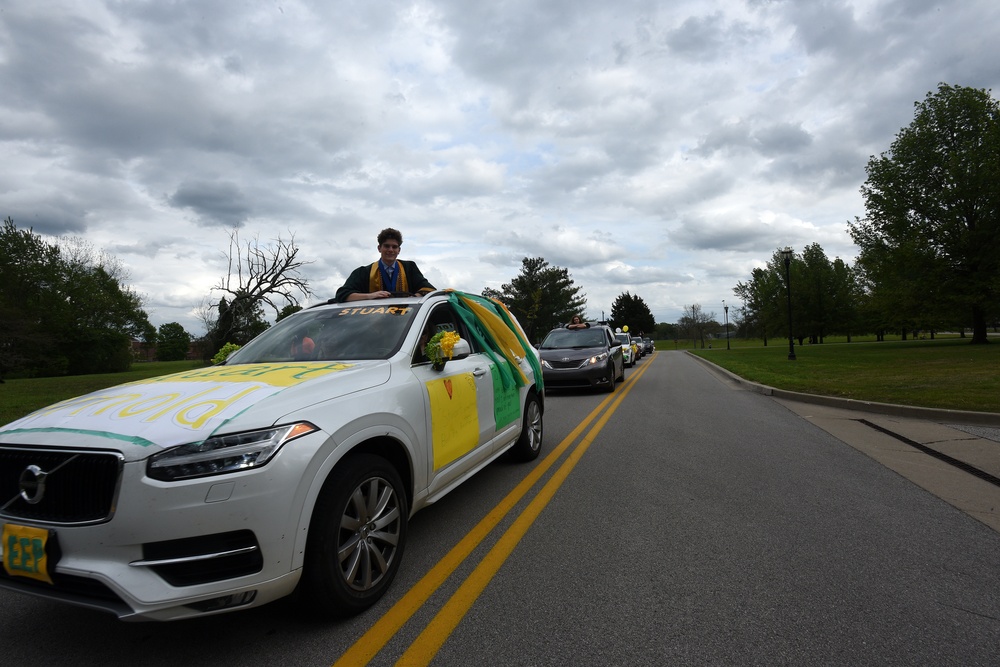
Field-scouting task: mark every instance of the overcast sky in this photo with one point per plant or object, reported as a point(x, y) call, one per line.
point(664, 148)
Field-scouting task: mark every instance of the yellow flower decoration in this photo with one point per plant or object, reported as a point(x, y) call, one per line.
point(448, 341)
point(441, 346)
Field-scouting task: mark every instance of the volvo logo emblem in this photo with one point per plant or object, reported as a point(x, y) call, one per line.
point(32, 484)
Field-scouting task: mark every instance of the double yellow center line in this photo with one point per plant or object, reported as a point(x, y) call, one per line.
point(426, 646)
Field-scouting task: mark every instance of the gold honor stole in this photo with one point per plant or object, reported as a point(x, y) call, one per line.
point(375, 279)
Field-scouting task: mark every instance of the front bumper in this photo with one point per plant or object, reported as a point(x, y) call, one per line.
point(590, 376)
point(180, 549)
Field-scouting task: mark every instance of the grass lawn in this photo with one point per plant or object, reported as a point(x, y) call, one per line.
point(943, 373)
point(19, 397)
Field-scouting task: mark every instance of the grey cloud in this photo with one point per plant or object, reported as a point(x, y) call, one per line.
point(825, 169)
point(736, 235)
point(725, 137)
point(781, 138)
point(826, 26)
point(214, 203)
point(56, 216)
point(697, 35)
point(458, 180)
point(770, 140)
point(643, 275)
point(708, 37)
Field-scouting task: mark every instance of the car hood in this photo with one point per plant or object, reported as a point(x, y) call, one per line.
point(570, 353)
point(140, 417)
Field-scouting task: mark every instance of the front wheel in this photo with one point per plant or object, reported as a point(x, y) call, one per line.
point(356, 537)
point(612, 378)
point(529, 444)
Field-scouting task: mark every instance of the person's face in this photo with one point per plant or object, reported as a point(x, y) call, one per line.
point(576, 319)
point(389, 251)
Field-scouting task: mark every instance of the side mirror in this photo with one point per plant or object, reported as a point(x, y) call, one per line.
point(461, 350)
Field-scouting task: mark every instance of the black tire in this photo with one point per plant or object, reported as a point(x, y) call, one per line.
point(611, 378)
point(621, 378)
point(529, 444)
point(356, 537)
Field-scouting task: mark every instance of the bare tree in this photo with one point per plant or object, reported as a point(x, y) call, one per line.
point(261, 273)
point(258, 274)
point(208, 313)
point(695, 322)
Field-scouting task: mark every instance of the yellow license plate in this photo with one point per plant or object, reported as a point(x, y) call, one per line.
point(24, 552)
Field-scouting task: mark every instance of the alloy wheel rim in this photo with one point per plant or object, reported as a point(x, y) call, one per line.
point(369, 534)
point(534, 427)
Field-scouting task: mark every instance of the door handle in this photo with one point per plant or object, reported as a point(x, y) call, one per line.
point(479, 372)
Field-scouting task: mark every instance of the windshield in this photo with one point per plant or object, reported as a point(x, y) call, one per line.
point(562, 338)
point(331, 334)
point(623, 339)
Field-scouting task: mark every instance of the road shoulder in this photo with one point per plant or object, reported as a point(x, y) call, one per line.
point(902, 444)
point(939, 450)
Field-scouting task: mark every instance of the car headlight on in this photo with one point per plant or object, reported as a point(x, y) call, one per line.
point(224, 453)
point(597, 358)
point(546, 364)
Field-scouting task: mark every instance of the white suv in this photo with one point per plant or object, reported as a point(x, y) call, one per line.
point(627, 350)
point(297, 463)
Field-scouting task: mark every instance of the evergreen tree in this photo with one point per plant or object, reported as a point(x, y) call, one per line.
point(542, 297)
point(631, 311)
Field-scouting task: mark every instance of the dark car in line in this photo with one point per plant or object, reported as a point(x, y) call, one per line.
point(581, 358)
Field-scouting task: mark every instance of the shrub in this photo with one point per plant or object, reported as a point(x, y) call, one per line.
point(224, 353)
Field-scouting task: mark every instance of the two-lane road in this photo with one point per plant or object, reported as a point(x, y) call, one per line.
point(679, 521)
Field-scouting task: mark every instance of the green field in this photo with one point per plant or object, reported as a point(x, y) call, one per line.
point(944, 373)
point(19, 397)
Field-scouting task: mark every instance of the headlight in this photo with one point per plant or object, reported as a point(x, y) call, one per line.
point(597, 358)
point(224, 453)
point(546, 364)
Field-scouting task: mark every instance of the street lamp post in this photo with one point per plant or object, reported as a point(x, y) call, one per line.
point(726, 309)
point(787, 256)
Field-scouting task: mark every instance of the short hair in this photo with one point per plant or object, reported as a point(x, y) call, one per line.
point(390, 233)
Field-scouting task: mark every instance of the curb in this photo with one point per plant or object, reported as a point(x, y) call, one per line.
point(968, 417)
